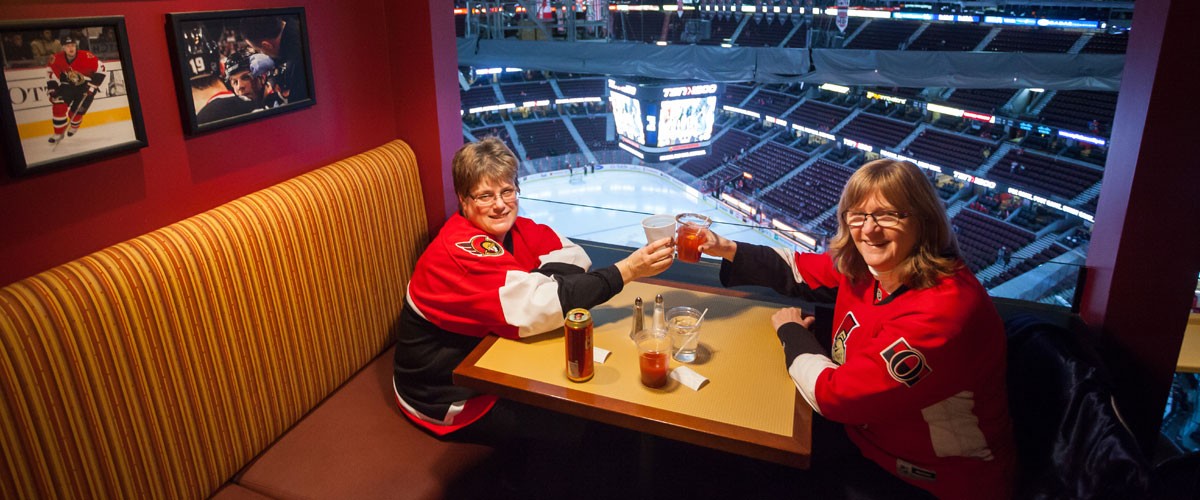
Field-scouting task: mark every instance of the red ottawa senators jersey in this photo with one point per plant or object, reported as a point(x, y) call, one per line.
point(917, 376)
point(467, 285)
point(78, 71)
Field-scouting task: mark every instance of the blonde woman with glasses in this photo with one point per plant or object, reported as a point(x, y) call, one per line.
point(916, 372)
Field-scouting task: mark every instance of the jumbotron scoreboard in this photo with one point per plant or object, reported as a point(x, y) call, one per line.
point(659, 120)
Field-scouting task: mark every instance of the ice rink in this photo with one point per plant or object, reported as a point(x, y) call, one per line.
point(609, 205)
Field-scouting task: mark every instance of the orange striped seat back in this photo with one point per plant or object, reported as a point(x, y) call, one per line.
point(158, 367)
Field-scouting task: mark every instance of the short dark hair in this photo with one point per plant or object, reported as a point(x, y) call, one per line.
point(261, 28)
point(489, 159)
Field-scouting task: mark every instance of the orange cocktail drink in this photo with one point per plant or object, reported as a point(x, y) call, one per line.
point(690, 235)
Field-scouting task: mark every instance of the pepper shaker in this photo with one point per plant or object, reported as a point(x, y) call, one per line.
point(660, 320)
point(638, 317)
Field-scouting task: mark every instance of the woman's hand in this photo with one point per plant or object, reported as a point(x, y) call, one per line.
point(718, 246)
point(792, 315)
point(795, 341)
point(647, 261)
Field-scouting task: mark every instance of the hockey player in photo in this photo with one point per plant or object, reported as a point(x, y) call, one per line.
point(247, 75)
point(211, 99)
point(74, 77)
point(279, 38)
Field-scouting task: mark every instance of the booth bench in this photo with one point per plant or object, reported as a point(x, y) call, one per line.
point(242, 353)
point(237, 353)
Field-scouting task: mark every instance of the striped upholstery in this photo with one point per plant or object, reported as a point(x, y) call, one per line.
point(158, 367)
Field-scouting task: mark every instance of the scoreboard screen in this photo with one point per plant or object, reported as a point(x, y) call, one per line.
point(686, 120)
point(627, 116)
point(664, 120)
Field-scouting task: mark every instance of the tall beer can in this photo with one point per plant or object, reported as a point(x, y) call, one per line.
point(578, 328)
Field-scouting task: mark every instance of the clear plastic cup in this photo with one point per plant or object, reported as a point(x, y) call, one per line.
point(654, 348)
point(689, 236)
point(658, 227)
point(684, 329)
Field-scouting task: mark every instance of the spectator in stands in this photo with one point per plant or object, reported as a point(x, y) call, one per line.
point(45, 47)
point(489, 271)
point(917, 368)
point(15, 49)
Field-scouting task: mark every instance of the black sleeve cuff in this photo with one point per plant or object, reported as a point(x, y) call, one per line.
point(799, 340)
point(588, 290)
point(553, 269)
point(748, 263)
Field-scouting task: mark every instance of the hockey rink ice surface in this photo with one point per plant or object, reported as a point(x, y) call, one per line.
point(618, 193)
point(109, 125)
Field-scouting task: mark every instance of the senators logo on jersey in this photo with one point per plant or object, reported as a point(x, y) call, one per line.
point(905, 364)
point(841, 335)
point(481, 246)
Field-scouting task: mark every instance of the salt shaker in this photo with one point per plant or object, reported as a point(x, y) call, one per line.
point(637, 317)
point(660, 320)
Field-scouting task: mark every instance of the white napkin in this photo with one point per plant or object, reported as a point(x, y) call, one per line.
point(689, 377)
point(600, 354)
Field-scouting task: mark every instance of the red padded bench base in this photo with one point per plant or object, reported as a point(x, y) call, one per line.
point(235, 492)
point(357, 444)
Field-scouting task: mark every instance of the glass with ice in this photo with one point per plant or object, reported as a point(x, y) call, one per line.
point(683, 327)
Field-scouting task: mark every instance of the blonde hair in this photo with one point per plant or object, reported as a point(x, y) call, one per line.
point(489, 159)
point(902, 184)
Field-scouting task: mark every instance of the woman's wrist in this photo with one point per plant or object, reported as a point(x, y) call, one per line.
point(626, 270)
point(728, 249)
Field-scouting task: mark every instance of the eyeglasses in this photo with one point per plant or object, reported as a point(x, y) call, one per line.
point(486, 199)
point(884, 218)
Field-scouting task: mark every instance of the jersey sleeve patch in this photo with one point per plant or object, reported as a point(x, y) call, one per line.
point(905, 364)
point(481, 246)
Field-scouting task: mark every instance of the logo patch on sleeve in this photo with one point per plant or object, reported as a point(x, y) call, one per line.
point(905, 364)
point(907, 469)
point(849, 323)
point(481, 246)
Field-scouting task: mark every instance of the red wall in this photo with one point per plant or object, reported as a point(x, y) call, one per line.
point(1145, 249)
point(49, 219)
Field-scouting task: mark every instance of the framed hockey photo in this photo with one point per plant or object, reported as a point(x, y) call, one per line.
point(71, 96)
point(239, 65)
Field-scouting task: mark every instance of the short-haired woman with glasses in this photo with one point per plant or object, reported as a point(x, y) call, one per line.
point(917, 368)
point(490, 271)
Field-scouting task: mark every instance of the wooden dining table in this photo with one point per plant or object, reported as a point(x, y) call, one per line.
point(749, 405)
point(1189, 351)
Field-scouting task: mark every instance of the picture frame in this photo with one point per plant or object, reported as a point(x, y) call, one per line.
point(61, 109)
point(236, 66)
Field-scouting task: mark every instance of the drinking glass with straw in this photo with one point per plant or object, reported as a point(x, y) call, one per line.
point(686, 338)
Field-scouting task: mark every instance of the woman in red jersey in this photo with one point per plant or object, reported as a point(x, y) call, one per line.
point(490, 271)
point(917, 369)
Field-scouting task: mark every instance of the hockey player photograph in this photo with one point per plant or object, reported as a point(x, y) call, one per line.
point(76, 103)
point(241, 65)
